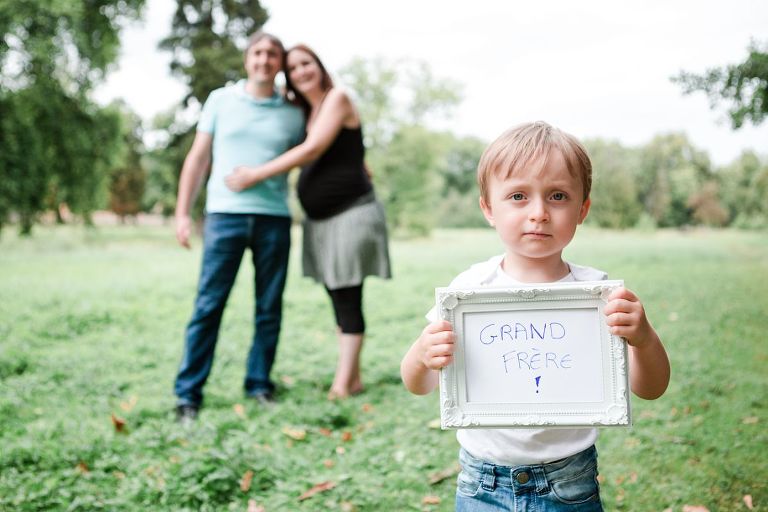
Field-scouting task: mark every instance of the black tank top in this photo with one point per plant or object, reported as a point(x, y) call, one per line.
point(334, 181)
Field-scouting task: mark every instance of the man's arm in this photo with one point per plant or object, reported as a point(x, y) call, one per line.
point(196, 165)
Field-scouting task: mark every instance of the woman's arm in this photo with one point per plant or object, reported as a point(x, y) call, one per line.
point(334, 112)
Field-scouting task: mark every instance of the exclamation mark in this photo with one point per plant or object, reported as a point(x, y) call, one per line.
point(537, 383)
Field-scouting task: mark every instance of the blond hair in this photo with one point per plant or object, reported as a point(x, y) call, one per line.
point(531, 143)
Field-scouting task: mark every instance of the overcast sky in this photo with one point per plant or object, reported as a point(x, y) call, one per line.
point(593, 68)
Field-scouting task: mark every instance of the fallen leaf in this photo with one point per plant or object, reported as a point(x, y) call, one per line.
point(348, 507)
point(129, 404)
point(346, 436)
point(669, 509)
point(245, 482)
point(695, 508)
point(119, 423)
point(430, 500)
point(601, 479)
point(436, 478)
point(253, 507)
point(673, 316)
point(239, 410)
point(748, 501)
point(325, 432)
point(119, 475)
point(367, 407)
point(340, 450)
point(82, 468)
point(321, 487)
point(633, 478)
point(435, 424)
point(299, 434)
point(288, 380)
point(328, 463)
point(750, 420)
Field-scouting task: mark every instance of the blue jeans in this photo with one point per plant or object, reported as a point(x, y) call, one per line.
point(568, 485)
point(225, 238)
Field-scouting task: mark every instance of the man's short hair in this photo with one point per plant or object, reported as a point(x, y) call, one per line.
point(259, 35)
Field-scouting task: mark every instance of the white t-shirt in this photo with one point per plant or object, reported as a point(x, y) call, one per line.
point(513, 447)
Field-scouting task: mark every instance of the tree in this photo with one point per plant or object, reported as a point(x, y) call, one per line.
point(670, 170)
point(56, 144)
point(396, 100)
point(127, 178)
point(206, 42)
point(744, 86)
point(744, 188)
point(615, 202)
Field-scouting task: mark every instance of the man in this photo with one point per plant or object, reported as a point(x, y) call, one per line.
point(242, 124)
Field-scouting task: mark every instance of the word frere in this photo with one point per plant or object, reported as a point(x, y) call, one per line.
point(535, 360)
point(521, 332)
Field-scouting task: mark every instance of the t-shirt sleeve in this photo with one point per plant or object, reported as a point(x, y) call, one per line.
point(207, 122)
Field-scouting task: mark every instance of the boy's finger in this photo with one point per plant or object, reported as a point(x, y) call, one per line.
point(438, 326)
point(622, 293)
point(618, 306)
point(617, 319)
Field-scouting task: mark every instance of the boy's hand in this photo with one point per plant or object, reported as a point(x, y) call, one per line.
point(435, 345)
point(626, 317)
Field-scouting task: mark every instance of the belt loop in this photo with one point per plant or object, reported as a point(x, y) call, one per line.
point(540, 477)
point(489, 477)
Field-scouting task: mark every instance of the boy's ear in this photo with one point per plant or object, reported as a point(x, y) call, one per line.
point(487, 211)
point(584, 210)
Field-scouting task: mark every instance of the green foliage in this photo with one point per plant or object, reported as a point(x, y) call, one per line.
point(743, 86)
point(615, 201)
point(56, 145)
point(406, 158)
point(206, 42)
point(671, 169)
point(92, 325)
point(744, 188)
point(406, 180)
point(55, 150)
point(127, 178)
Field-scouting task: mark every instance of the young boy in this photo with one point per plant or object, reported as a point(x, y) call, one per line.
point(534, 190)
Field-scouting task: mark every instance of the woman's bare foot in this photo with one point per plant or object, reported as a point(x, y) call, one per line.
point(342, 394)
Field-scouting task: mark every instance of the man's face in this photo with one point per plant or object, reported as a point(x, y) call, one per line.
point(263, 61)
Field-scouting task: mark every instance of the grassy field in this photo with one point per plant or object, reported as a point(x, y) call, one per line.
point(91, 326)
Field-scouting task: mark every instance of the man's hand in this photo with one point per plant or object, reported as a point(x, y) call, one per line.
point(183, 229)
point(241, 178)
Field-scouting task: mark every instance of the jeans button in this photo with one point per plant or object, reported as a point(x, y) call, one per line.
point(523, 477)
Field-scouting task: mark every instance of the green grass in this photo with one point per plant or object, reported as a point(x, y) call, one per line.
point(91, 324)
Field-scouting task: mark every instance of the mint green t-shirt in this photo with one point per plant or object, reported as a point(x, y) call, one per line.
point(248, 131)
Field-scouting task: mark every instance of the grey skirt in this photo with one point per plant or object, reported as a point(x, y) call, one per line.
point(342, 250)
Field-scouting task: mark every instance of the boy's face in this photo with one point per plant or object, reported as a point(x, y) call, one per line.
point(536, 210)
point(263, 61)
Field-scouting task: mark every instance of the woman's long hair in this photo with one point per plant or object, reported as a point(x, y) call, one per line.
point(294, 96)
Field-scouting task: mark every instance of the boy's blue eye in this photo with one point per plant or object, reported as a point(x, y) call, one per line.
point(559, 196)
point(518, 196)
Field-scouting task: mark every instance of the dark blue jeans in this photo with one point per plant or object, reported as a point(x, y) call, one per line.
point(225, 239)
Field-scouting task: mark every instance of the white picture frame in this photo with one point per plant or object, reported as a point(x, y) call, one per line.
point(533, 356)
